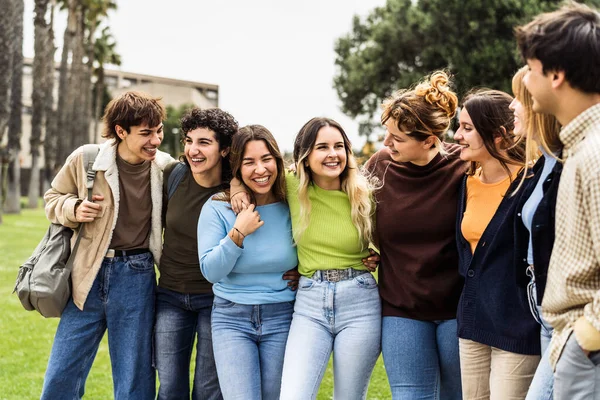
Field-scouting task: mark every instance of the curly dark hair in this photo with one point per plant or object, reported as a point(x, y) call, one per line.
point(220, 122)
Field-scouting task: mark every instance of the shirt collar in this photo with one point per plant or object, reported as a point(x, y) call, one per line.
point(574, 132)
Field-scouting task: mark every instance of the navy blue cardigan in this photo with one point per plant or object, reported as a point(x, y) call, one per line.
point(542, 227)
point(493, 309)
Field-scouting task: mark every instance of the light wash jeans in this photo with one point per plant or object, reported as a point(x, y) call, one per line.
point(421, 358)
point(249, 344)
point(343, 318)
point(122, 301)
point(180, 319)
point(542, 385)
point(577, 375)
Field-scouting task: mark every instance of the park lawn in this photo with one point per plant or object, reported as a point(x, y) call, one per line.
point(26, 337)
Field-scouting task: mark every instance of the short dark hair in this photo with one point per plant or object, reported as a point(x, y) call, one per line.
point(567, 40)
point(132, 109)
point(220, 122)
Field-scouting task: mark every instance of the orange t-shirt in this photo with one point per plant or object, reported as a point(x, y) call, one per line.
point(483, 200)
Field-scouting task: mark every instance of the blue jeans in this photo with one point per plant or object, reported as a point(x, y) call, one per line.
point(122, 301)
point(180, 319)
point(343, 318)
point(249, 346)
point(421, 358)
point(542, 385)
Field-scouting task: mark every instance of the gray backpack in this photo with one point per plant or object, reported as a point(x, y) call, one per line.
point(43, 282)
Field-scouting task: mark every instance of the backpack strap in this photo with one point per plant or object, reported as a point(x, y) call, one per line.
point(90, 152)
point(175, 178)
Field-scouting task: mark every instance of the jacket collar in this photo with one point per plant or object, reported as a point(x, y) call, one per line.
point(108, 154)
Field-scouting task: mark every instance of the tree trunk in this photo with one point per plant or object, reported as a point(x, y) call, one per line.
point(34, 182)
point(6, 59)
point(62, 122)
point(13, 198)
point(50, 140)
point(15, 123)
point(98, 102)
point(37, 98)
point(74, 97)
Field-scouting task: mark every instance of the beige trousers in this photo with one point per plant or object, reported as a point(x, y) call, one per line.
point(488, 373)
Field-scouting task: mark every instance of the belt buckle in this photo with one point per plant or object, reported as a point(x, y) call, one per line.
point(110, 253)
point(333, 275)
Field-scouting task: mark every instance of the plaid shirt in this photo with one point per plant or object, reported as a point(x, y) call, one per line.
point(573, 287)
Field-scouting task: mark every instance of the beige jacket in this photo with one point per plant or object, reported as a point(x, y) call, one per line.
point(69, 186)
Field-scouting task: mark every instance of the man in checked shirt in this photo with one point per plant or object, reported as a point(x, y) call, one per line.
point(562, 49)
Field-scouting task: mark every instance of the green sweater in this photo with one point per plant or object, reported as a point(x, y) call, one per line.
point(331, 240)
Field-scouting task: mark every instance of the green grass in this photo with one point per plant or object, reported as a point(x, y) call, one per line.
point(26, 337)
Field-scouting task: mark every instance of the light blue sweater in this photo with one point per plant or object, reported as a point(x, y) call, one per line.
point(252, 274)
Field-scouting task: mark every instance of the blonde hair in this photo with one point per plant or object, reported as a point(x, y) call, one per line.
point(425, 111)
point(356, 185)
point(544, 125)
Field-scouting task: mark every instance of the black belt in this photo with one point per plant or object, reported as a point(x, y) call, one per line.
point(124, 253)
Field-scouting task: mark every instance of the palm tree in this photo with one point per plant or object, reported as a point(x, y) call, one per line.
point(50, 139)
point(6, 58)
point(95, 12)
point(37, 98)
point(104, 53)
point(13, 198)
point(62, 119)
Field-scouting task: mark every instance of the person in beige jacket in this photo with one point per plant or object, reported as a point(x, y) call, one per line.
point(113, 277)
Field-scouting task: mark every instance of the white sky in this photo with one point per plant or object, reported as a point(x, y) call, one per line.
point(273, 60)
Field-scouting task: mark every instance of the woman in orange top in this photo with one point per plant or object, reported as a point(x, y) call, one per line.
point(498, 337)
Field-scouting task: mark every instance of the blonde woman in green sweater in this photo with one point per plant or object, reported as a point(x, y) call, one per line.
point(337, 306)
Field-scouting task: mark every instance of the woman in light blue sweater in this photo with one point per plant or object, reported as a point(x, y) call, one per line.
point(245, 257)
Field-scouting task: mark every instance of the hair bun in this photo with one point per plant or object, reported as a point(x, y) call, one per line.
point(437, 92)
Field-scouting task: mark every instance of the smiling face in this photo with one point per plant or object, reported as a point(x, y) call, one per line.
point(259, 171)
point(540, 87)
point(473, 148)
point(519, 111)
point(140, 143)
point(404, 148)
point(327, 159)
point(201, 150)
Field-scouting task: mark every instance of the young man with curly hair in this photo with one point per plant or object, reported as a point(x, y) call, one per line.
point(184, 298)
point(562, 50)
point(113, 278)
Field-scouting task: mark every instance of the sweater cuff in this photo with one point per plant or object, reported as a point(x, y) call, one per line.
point(587, 336)
point(69, 207)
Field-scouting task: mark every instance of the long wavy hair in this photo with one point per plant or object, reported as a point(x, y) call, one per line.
point(538, 128)
point(492, 118)
point(353, 182)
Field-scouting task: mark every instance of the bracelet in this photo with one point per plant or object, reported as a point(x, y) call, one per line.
point(238, 231)
point(231, 196)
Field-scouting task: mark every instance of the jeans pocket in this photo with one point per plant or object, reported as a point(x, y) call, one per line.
point(306, 283)
point(219, 302)
point(141, 263)
point(365, 281)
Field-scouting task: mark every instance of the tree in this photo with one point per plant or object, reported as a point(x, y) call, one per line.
point(40, 75)
point(399, 43)
point(171, 143)
point(51, 136)
point(6, 59)
point(95, 11)
point(104, 53)
point(15, 123)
